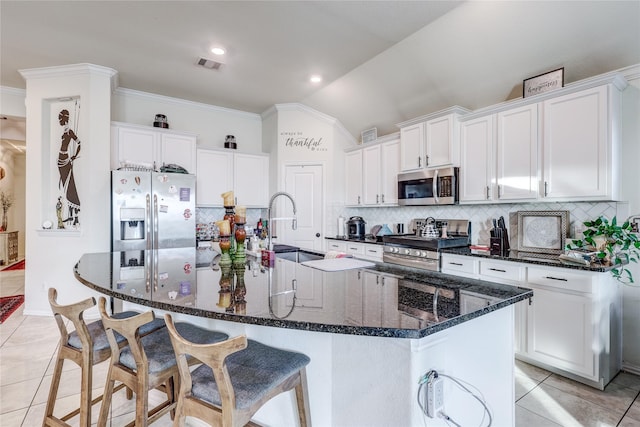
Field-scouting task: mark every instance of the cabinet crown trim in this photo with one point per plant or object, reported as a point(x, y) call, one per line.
point(456, 109)
point(614, 78)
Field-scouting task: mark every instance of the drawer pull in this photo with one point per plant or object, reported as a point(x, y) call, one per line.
point(555, 278)
point(373, 251)
point(456, 263)
point(498, 270)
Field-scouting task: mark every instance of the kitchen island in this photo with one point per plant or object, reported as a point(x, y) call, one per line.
point(371, 333)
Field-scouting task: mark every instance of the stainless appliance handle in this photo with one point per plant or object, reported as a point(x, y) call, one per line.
point(147, 286)
point(155, 221)
point(155, 271)
point(435, 186)
point(147, 220)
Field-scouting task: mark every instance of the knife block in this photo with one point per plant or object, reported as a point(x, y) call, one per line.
point(499, 245)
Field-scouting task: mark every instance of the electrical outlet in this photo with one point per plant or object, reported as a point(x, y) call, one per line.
point(435, 397)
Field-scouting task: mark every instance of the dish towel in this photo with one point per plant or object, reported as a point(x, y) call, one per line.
point(336, 254)
point(337, 264)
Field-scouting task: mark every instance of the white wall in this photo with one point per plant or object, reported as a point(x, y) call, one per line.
point(631, 188)
point(209, 122)
point(52, 254)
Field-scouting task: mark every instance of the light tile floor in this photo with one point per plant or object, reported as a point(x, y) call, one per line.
point(28, 348)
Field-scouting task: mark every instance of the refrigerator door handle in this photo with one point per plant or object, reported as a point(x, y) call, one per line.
point(155, 271)
point(155, 221)
point(148, 221)
point(147, 254)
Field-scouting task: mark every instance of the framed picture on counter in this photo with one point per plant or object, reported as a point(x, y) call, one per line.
point(542, 231)
point(543, 83)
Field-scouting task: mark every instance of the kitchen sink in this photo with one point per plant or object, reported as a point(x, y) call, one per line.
point(300, 256)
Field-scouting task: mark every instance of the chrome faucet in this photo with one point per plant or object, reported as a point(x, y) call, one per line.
point(294, 221)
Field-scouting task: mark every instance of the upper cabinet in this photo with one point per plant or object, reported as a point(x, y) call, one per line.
point(372, 173)
point(431, 141)
point(558, 146)
point(152, 146)
point(499, 156)
point(580, 145)
point(219, 171)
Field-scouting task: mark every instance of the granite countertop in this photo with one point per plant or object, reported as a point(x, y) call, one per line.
point(382, 300)
point(371, 240)
point(528, 258)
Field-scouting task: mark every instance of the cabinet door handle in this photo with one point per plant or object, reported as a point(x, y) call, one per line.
point(499, 191)
point(487, 192)
point(456, 263)
point(377, 198)
point(373, 251)
point(498, 270)
point(555, 278)
point(419, 161)
point(426, 160)
point(383, 198)
point(546, 189)
point(358, 199)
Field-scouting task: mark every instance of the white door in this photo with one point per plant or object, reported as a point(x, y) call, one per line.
point(304, 183)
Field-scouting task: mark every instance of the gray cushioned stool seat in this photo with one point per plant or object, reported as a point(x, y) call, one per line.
point(253, 372)
point(158, 348)
point(99, 337)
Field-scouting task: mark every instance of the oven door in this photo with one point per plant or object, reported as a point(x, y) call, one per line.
point(417, 188)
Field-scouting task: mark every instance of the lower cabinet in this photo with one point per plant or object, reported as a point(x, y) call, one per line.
point(368, 251)
point(571, 326)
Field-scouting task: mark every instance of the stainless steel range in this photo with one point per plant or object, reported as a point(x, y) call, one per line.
point(422, 248)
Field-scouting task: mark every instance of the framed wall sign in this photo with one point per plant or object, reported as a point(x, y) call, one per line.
point(542, 231)
point(543, 83)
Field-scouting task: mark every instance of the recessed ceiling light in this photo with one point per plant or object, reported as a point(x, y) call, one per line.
point(218, 51)
point(315, 79)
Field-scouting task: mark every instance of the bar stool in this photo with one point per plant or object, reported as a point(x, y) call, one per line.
point(87, 346)
point(235, 379)
point(147, 362)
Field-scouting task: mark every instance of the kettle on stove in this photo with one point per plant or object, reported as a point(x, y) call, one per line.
point(355, 227)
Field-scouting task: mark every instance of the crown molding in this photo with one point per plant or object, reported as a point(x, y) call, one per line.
point(71, 70)
point(456, 109)
point(184, 102)
point(13, 91)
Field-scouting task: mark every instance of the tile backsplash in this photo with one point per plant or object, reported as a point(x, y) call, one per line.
point(480, 215)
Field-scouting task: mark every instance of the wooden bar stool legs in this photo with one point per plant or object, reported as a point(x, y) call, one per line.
point(236, 378)
point(86, 346)
point(147, 362)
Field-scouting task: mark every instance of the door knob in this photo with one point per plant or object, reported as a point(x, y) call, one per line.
point(317, 234)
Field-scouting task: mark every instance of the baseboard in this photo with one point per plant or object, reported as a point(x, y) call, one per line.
point(631, 368)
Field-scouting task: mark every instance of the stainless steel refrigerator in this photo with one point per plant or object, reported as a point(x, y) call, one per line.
point(152, 210)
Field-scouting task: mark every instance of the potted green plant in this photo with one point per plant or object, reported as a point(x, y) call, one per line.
point(614, 244)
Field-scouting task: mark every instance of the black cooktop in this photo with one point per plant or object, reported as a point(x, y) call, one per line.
point(418, 242)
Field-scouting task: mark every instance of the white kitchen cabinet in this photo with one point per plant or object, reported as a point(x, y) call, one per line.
point(501, 163)
point(412, 147)
point(251, 179)
point(353, 298)
point(353, 178)
point(571, 326)
point(152, 146)
point(431, 140)
point(380, 299)
point(517, 154)
point(477, 160)
point(219, 171)
point(368, 251)
point(580, 145)
point(380, 167)
point(334, 245)
point(214, 177)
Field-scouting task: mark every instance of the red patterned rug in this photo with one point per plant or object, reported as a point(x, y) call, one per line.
point(8, 305)
point(17, 266)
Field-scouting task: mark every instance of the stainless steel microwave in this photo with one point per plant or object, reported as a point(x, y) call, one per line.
point(428, 187)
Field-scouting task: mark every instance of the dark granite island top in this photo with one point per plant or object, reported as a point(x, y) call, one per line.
point(370, 333)
point(382, 300)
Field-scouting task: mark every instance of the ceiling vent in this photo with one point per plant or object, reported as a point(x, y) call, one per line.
point(209, 63)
